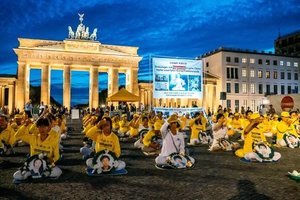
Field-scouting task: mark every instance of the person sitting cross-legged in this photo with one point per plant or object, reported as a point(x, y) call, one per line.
point(104, 139)
point(173, 141)
point(43, 141)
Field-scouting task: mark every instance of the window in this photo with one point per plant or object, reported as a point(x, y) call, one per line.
point(228, 72)
point(228, 87)
point(289, 88)
point(236, 104)
point(244, 60)
point(236, 88)
point(281, 63)
point(296, 76)
point(288, 64)
point(260, 61)
point(236, 73)
point(268, 89)
point(296, 90)
point(244, 73)
point(275, 75)
point(252, 88)
point(268, 74)
point(259, 74)
point(260, 89)
point(228, 103)
point(228, 59)
point(252, 60)
point(282, 89)
point(295, 64)
point(207, 64)
point(289, 76)
point(244, 88)
point(275, 89)
point(232, 73)
point(236, 59)
point(252, 73)
point(275, 62)
point(267, 62)
point(282, 75)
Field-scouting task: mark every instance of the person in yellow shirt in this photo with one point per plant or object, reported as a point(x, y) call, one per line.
point(185, 119)
point(286, 130)
point(152, 143)
point(44, 143)
point(6, 136)
point(104, 139)
point(17, 122)
point(115, 123)
point(159, 121)
point(256, 147)
point(295, 121)
point(134, 125)
point(197, 125)
point(124, 126)
point(235, 126)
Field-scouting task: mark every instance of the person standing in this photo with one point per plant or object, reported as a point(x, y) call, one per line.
point(28, 108)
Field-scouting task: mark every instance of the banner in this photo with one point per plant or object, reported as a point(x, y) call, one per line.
point(177, 78)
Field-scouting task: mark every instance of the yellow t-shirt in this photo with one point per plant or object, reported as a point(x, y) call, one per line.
point(195, 129)
point(283, 128)
point(50, 145)
point(7, 135)
point(103, 142)
point(253, 137)
point(124, 126)
point(158, 123)
point(147, 140)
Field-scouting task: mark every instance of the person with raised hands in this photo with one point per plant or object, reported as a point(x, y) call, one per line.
point(43, 143)
point(105, 140)
point(173, 142)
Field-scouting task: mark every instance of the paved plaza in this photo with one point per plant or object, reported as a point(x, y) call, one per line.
point(215, 176)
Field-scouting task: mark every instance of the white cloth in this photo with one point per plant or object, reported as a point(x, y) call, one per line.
point(168, 144)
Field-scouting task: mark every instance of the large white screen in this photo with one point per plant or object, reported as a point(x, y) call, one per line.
point(177, 78)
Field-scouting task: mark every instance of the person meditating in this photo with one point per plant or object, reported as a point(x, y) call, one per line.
point(43, 142)
point(105, 140)
point(256, 146)
point(173, 142)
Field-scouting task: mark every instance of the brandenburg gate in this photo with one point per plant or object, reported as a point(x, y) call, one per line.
point(80, 52)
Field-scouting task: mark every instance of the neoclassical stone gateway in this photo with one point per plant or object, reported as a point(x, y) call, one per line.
point(80, 53)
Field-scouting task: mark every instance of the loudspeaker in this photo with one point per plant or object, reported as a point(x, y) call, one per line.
point(222, 95)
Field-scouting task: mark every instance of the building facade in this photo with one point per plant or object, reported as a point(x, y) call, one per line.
point(288, 44)
point(247, 77)
point(211, 91)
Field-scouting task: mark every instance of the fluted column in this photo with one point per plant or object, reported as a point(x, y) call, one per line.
point(132, 81)
point(113, 81)
point(94, 88)
point(11, 98)
point(1, 95)
point(67, 88)
point(45, 86)
point(22, 85)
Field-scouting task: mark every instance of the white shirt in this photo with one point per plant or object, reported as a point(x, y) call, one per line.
point(221, 133)
point(168, 144)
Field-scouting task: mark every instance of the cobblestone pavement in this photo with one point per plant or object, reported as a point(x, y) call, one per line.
point(215, 176)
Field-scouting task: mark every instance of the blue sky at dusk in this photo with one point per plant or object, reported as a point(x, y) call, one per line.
point(178, 28)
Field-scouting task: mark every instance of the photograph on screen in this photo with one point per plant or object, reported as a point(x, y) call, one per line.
point(161, 78)
point(178, 82)
point(194, 83)
point(161, 86)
